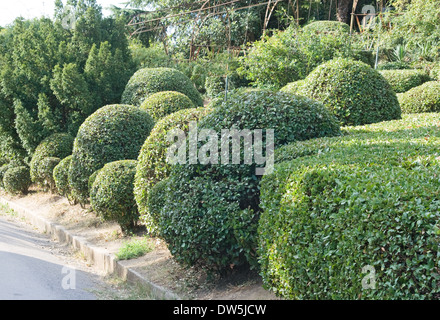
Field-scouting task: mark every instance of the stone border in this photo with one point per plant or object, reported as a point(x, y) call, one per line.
point(100, 258)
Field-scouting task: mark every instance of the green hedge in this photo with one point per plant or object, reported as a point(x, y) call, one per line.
point(61, 177)
point(163, 103)
point(328, 27)
point(424, 98)
point(111, 195)
point(57, 145)
point(403, 80)
point(353, 91)
point(337, 205)
point(435, 72)
point(114, 132)
point(17, 180)
point(210, 211)
point(152, 161)
point(148, 81)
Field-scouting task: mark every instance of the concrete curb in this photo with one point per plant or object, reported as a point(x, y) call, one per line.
point(101, 259)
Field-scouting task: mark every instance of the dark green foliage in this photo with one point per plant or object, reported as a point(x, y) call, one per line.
point(61, 176)
point(111, 195)
point(395, 65)
point(57, 145)
point(353, 91)
point(403, 80)
point(368, 198)
point(114, 132)
point(163, 103)
point(148, 81)
point(17, 180)
point(152, 161)
point(216, 86)
point(45, 172)
point(3, 170)
point(210, 211)
point(424, 98)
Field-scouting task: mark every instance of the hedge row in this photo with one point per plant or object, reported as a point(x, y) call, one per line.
point(337, 205)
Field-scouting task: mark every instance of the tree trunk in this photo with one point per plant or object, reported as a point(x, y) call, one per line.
point(343, 12)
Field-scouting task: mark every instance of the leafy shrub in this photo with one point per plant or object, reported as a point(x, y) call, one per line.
point(210, 211)
point(216, 86)
point(435, 72)
point(3, 170)
point(163, 103)
point(112, 196)
point(152, 161)
point(424, 98)
point(290, 55)
point(353, 91)
point(366, 198)
point(17, 180)
point(328, 27)
point(57, 145)
point(114, 132)
point(45, 171)
point(147, 81)
point(61, 176)
point(403, 80)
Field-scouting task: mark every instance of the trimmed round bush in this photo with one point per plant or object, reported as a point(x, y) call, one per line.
point(148, 81)
point(111, 195)
point(210, 209)
point(17, 180)
point(332, 27)
point(424, 98)
point(435, 72)
point(114, 132)
point(57, 145)
point(403, 80)
point(45, 171)
point(61, 176)
point(3, 170)
point(152, 161)
point(394, 65)
point(353, 91)
point(163, 103)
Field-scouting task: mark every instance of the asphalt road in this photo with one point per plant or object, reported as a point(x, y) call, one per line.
point(31, 268)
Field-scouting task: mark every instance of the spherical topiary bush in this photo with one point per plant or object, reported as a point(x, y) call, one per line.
point(17, 180)
point(292, 87)
point(114, 132)
point(45, 171)
point(152, 161)
point(435, 72)
point(57, 145)
point(111, 195)
point(424, 98)
point(353, 91)
point(61, 176)
point(211, 208)
point(163, 103)
point(403, 80)
point(3, 170)
point(332, 27)
point(148, 81)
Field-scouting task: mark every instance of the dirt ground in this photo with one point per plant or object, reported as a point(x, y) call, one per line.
point(158, 266)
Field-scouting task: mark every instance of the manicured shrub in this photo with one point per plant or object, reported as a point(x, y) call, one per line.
point(61, 177)
point(114, 132)
point(216, 86)
point(45, 172)
point(353, 91)
point(210, 211)
point(403, 80)
point(58, 145)
point(163, 103)
point(435, 72)
point(424, 98)
point(152, 161)
point(3, 170)
point(17, 180)
point(394, 65)
point(368, 198)
point(328, 27)
point(148, 81)
point(111, 195)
